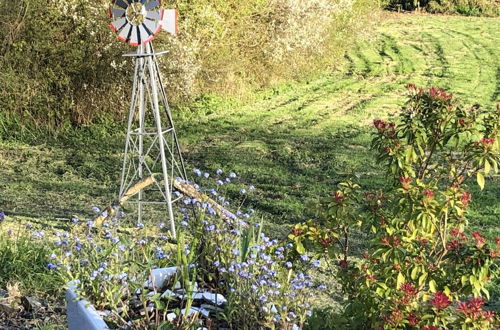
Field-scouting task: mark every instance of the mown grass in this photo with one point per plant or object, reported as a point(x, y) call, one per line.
point(294, 142)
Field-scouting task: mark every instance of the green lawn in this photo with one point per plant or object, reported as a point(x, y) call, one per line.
point(294, 142)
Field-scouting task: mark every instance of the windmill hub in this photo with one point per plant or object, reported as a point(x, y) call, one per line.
point(136, 13)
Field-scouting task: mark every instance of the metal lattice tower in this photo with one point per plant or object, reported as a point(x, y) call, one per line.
point(151, 146)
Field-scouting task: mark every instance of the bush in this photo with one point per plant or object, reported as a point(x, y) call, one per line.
point(462, 7)
point(71, 73)
point(423, 270)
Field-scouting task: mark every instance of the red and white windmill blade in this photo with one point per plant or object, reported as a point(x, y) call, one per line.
point(137, 22)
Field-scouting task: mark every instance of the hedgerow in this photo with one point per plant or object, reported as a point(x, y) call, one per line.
point(463, 7)
point(62, 65)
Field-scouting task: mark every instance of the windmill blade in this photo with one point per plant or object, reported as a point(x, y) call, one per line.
point(150, 26)
point(121, 4)
point(143, 33)
point(125, 34)
point(134, 38)
point(118, 24)
point(153, 15)
point(143, 1)
point(152, 4)
point(117, 12)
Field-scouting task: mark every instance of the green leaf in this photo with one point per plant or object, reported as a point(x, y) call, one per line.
point(414, 273)
point(400, 280)
point(422, 278)
point(432, 286)
point(480, 180)
point(300, 247)
point(487, 167)
point(464, 279)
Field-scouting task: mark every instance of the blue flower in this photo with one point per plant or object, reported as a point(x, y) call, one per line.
point(206, 175)
point(74, 220)
point(96, 209)
point(232, 175)
point(322, 287)
point(51, 266)
point(2, 216)
point(184, 223)
point(243, 191)
point(38, 234)
point(140, 225)
point(219, 171)
point(160, 255)
point(197, 172)
point(93, 275)
point(304, 257)
point(251, 188)
point(288, 264)
point(219, 182)
point(90, 223)
point(315, 263)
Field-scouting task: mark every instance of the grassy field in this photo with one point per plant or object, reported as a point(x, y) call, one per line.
point(294, 142)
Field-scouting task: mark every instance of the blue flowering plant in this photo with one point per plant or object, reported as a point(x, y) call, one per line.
point(226, 271)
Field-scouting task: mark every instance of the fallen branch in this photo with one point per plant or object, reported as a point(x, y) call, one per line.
point(112, 209)
point(191, 191)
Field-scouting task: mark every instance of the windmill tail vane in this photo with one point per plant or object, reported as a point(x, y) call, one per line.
point(148, 150)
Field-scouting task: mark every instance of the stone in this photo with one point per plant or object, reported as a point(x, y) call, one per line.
point(215, 298)
point(31, 304)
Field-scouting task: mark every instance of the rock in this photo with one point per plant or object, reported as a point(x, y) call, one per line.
point(3, 294)
point(168, 294)
point(193, 310)
point(171, 316)
point(31, 304)
point(214, 298)
point(158, 277)
point(149, 309)
point(212, 308)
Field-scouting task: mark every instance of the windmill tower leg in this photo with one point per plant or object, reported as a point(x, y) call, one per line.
point(147, 149)
point(156, 112)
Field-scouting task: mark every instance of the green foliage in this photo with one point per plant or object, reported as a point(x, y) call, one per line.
point(24, 262)
point(462, 7)
point(62, 65)
point(422, 270)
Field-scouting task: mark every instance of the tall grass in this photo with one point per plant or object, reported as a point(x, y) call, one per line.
point(62, 65)
point(24, 261)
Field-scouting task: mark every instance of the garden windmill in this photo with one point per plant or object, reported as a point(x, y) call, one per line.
point(149, 149)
